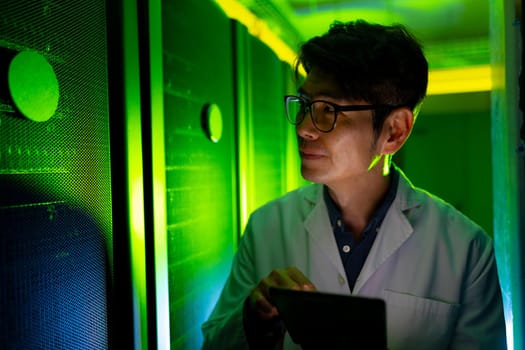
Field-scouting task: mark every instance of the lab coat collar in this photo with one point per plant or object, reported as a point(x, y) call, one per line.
point(394, 230)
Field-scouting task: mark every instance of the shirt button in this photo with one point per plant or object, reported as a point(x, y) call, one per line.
point(341, 280)
point(346, 248)
point(339, 223)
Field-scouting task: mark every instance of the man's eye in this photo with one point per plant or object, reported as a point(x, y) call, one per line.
point(328, 108)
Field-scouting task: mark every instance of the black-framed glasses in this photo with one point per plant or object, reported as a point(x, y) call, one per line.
point(323, 113)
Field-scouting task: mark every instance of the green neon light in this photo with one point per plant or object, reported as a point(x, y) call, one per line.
point(134, 173)
point(138, 262)
point(508, 170)
point(138, 254)
point(159, 175)
point(243, 125)
point(293, 163)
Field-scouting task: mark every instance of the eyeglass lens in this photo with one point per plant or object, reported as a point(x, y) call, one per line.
point(323, 114)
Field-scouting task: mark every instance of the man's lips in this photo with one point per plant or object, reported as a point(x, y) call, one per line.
point(310, 154)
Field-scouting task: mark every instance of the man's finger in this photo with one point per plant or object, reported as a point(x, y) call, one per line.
point(299, 278)
point(261, 305)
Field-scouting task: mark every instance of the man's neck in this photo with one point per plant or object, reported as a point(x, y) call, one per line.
point(358, 198)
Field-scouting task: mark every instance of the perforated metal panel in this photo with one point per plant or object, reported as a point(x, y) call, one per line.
point(53, 270)
point(55, 189)
point(200, 174)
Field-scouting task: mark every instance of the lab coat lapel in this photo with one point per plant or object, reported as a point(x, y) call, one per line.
point(394, 231)
point(318, 226)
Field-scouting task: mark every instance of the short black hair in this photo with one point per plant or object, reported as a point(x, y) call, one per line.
point(371, 62)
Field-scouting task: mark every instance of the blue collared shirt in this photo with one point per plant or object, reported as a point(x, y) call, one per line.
point(353, 253)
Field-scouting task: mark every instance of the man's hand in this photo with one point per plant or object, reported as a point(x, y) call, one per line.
point(289, 278)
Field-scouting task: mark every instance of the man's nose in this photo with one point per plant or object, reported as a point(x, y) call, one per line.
point(306, 129)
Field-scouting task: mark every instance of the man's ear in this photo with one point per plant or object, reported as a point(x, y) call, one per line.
point(396, 129)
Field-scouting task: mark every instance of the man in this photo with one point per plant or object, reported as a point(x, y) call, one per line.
point(362, 228)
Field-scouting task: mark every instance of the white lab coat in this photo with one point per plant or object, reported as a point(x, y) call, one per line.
point(433, 266)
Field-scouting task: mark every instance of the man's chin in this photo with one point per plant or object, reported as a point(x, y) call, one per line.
point(313, 175)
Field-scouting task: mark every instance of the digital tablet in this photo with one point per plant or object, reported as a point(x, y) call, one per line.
point(329, 321)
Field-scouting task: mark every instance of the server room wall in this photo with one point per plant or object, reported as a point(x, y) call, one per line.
point(266, 168)
point(213, 186)
point(57, 177)
point(57, 203)
point(201, 182)
point(459, 170)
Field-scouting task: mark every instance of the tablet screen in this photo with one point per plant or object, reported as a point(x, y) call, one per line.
point(330, 321)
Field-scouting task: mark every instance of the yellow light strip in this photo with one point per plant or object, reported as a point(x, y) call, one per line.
point(460, 80)
point(440, 81)
point(258, 28)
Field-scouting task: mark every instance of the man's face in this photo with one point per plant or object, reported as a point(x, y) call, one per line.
point(345, 153)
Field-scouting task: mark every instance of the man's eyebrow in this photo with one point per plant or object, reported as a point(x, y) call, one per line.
point(302, 93)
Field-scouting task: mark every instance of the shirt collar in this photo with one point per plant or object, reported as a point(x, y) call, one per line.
point(335, 214)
